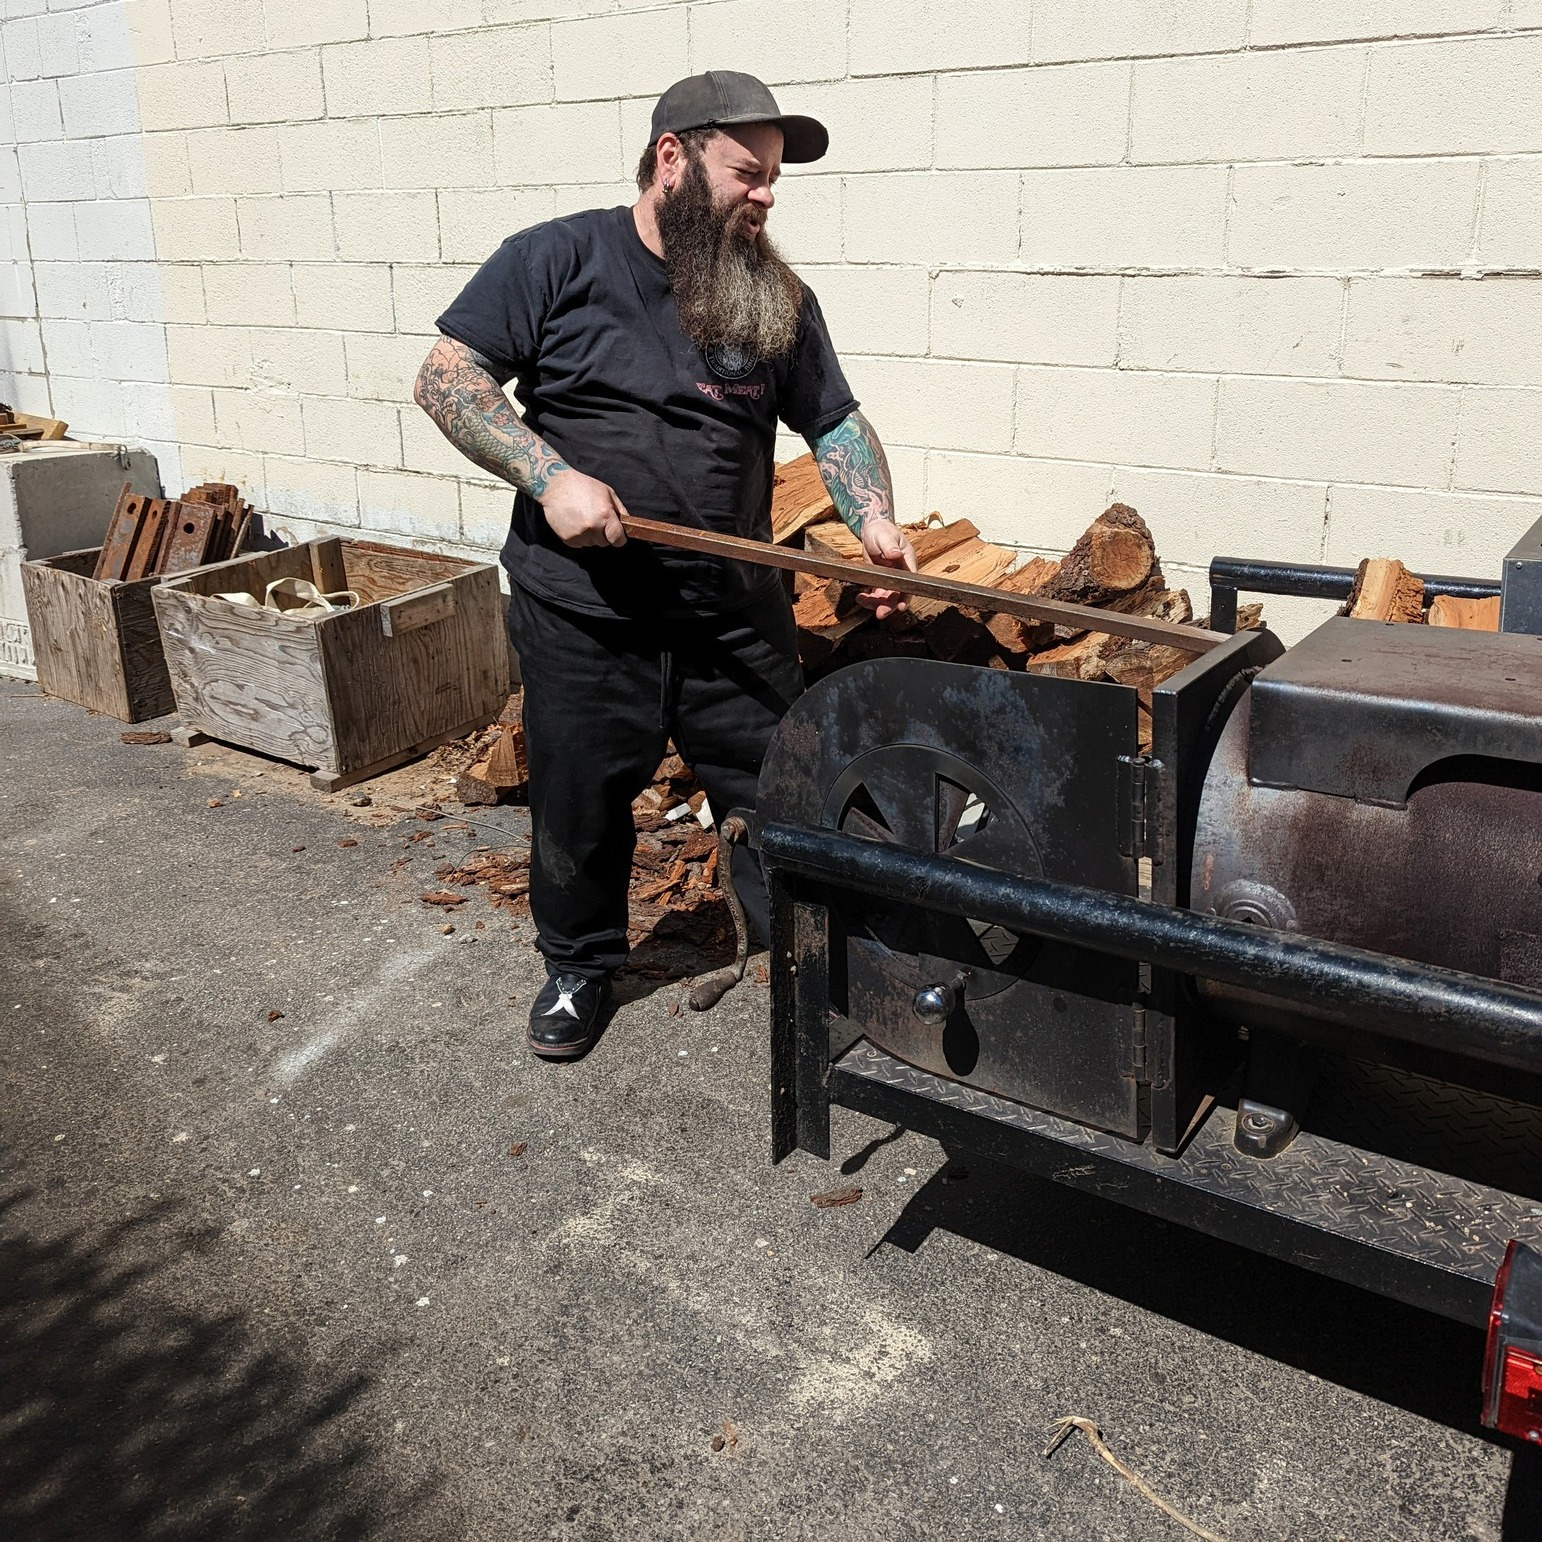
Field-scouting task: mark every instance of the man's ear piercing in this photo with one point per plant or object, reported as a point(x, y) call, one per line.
point(666, 184)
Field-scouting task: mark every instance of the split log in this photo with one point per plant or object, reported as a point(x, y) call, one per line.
point(832, 539)
point(1470, 615)
point(1013, 634)
point(798, 498)
point(499, 771)
point(970, 562)
point(1115, 556)
point(1384, 590)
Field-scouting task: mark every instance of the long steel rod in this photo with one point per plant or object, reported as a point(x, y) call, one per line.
point(1081, 618)
point(1442, 1009)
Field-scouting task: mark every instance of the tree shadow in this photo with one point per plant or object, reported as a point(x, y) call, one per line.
point(125, 1416)
point(1369, 1344)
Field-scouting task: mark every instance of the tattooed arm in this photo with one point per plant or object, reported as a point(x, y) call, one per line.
point(856, 474)
point(461, 392)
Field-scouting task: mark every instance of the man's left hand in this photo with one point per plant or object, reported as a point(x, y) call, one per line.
point(886, 546)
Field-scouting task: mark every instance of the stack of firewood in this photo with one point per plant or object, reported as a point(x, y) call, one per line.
point(1385, 590)
point(1113, 567)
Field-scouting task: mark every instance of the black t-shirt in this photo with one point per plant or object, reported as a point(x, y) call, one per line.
point(581, 313)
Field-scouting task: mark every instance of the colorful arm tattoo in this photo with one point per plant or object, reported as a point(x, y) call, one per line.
point(457, 388)
point(855, 471)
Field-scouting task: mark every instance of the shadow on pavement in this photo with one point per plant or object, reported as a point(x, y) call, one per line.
point(123, 1416)
point(1379, 1348)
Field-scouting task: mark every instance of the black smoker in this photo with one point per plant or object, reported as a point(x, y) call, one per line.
point(1280, 979)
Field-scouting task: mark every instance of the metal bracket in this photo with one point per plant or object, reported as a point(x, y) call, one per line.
point(1138, 777)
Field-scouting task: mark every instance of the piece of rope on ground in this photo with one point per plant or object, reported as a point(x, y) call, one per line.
point(1063, 1427)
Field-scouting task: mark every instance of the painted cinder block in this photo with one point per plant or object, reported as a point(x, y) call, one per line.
point(275, 88)
point(1247, 107)
point(422, 291)
point(211, 28)
point(258, 420)
point(1510, 227)
point(299, 359)
point(904, 36)
point(444, 150)
point(1028, 318)
point(234, 160)
point(875, 125)
point(632, 53)
point(1130, 417)
point(326, 492)
point(806, 221)
point(1353, 215)
point(873, 310)
point(182, 95)
point(1342, 430)
point(386, 227)
point(120, 230)
point(295, 227)
point(345, 428)
point(1323, 21)
point(1462, 95)
point(403, 503)
point(930, 218)
point(35, 110)
point(351, 296)
point(1124, 217)
point(1195, 516)
point(780, 41)
point(1489, 332)
point(298, 23)
point(1446, 533)
point(1092, 29)
point(564, 142)
point(1498, 448)
point(378, 77)
point(249, 294)
point(103, 102)
point(383, 366)
point(1232, 325)
point(333, 155)
point(1054, 115)
point(185, 230)
point(491, 67)
point(209, 356)
point(395, 18)
point(935, 404)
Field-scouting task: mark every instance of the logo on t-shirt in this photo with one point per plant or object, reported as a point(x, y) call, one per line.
point(729, 361)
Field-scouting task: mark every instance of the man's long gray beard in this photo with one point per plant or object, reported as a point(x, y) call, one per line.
point(728, 290)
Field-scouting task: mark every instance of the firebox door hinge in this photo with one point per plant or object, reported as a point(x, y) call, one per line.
point(1138, 774)
point(1138, 1042)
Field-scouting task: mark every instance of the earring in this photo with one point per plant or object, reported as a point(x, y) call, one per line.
point(666, 184)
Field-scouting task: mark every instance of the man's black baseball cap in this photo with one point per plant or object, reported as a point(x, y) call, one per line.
point(725, 98)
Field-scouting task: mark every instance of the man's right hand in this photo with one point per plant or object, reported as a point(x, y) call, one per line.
point(583, 511)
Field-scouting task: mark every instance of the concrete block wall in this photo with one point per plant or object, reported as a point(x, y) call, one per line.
point(1270, 270)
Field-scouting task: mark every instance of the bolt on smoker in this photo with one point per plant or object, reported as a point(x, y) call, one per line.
point(1280, 979)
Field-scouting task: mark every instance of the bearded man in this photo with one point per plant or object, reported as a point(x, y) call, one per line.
point(652, 350)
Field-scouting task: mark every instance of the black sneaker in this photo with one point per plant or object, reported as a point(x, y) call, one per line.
point(565, 1014)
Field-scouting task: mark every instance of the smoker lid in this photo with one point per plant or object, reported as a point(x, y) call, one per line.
point(1359, 708)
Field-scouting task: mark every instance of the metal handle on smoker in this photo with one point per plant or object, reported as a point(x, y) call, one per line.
point(1442, 1009)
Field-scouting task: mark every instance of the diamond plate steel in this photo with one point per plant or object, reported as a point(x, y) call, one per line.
point(1409, 1214)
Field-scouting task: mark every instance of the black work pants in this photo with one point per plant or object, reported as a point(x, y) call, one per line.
point(602, 698)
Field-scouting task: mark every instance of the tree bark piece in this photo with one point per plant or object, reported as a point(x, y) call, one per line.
point(1470, 615)
point(1384, 590)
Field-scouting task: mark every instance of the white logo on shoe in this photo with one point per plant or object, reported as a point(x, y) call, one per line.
point(565, 1001)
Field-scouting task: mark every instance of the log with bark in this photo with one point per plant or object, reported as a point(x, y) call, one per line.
point(1384, 590)
point(1471, 615)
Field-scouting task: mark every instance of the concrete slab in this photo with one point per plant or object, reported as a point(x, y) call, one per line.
point(283, 1278)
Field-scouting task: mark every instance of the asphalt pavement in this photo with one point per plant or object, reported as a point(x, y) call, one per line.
point(366, 1269)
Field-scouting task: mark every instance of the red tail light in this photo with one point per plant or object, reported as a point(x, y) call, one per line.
point(1512, 1360)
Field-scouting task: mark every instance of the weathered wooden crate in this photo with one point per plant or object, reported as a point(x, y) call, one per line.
point(419, 661)
point(96, 641)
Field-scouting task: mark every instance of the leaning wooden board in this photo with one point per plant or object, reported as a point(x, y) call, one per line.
point(420, 660)
point(1081, 618)
point(96, 642)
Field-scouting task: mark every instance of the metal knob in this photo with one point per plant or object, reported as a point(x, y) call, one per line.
point(934, 1004)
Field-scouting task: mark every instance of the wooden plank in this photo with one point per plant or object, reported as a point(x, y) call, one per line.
point(1080, 617)
point(951, 591)
point(328, 572)
point(411, 611)
point(74, 635)
point(382, 572)
point(251, 574)
point(329, 781)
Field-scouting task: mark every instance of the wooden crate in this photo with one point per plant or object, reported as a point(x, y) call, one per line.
point(96, 642)
point(419, 661)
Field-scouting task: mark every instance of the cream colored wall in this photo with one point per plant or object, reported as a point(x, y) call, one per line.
point(1266, 269)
